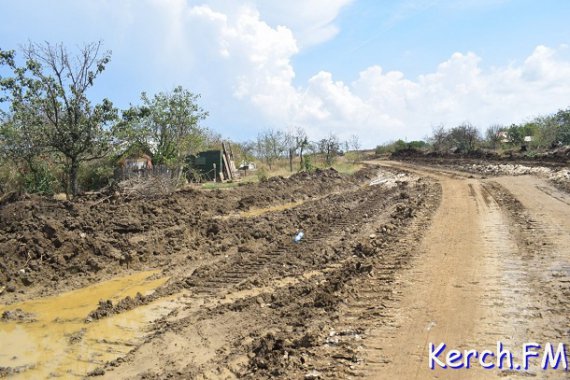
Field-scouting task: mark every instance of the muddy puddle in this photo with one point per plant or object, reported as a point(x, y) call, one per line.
point(51, 338)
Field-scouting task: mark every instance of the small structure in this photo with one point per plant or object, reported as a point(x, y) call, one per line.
point(503, 137)
point(140, 163)
point(247, 166)
point(136, 160)
point(212, 165)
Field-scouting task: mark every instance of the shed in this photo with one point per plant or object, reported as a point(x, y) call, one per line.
point(206, 165)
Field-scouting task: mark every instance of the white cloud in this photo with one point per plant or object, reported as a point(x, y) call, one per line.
point(380, 106)
point(312, 21)
point(251, 63)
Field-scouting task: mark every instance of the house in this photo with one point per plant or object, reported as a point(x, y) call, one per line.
point(135, 160)
point(503, 137)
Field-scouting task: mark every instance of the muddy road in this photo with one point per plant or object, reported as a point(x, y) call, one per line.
point(494, 266)
point(394, 258)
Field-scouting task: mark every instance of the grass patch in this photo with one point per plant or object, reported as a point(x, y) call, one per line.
point(219, 185)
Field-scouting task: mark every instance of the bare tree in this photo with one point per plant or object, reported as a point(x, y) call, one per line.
point(439, 139)
point(493, 135)
point(354, 143)
point(270, 146)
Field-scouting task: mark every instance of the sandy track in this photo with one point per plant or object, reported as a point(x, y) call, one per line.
point(488, 269)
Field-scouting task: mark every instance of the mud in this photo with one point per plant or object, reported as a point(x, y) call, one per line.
point(48, 246)
point(235, 297)
point(50, 337)
point(284, 331)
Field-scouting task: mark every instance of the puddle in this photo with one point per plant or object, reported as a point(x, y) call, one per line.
point(58, 343)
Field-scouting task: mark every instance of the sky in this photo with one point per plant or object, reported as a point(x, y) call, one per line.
point(381, 70)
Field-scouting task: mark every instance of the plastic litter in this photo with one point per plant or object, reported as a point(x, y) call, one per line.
point(298, 237)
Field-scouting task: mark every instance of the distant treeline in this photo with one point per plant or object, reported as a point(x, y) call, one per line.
point(540, 134)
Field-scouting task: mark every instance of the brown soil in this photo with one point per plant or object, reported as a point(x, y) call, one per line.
point(48, 246)
point(429, 254)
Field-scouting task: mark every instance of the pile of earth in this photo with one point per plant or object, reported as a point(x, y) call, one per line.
point(50, 243)
point(558, 156)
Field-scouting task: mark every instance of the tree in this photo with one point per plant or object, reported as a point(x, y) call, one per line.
point(50, 93)
point(547, 131)
point(295, 142)
point(329, 148)
point(354, 143)
point(440, 139)
point(246, 151)
point(465, 137)
point(270, 146)
point(516, 135)
point(302, 142)
point(492, 135)
point(168, 123)
point(562, 119)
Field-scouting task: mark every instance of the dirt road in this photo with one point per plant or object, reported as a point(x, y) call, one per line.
point(489, 269)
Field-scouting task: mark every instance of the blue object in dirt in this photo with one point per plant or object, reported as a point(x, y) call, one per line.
point(298, 237)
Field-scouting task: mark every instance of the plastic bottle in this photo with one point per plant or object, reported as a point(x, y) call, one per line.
point(298, 237)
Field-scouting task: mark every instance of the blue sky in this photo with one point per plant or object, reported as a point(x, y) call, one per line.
point(380, 70)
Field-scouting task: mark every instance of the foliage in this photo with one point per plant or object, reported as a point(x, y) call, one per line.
point(49, 105)
point(464, 138)
point(168, 123)
point(562, 120)
point(270, 146)
point(329, 148)
point(262, 174)
point(400, 145)
point(308, 164)
point(492, 136)
point(41, 180)
point(96, 174)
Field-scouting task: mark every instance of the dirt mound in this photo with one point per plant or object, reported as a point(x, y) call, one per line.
point(559, 156)
point(46, 243)
point(106, 307)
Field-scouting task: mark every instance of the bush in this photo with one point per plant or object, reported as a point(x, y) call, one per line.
point(262, 174)
point(10, 177)
point(41, 180)
point(308, 164)
point(95, 175)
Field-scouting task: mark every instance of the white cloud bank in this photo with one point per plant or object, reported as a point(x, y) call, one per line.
point(378, 105)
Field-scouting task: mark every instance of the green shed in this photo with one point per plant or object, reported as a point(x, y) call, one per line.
point(205, 166)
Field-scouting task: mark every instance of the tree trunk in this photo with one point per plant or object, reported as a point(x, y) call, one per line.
point(291, 159)
point(73, 170)
point(301, 157)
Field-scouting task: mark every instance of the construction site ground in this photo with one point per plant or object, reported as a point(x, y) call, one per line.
point(209, 284)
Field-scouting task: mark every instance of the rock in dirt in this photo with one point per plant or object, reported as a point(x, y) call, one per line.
point(17, 315)
point(313, 375)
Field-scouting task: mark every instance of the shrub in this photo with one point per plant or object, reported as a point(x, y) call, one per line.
point(262, 174)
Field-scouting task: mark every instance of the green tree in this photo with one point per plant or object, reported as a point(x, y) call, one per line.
point(516, 135)
point(329, 148)
point(49, 94)
point(562, 119)
point(168, 123)
point(270, 146)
